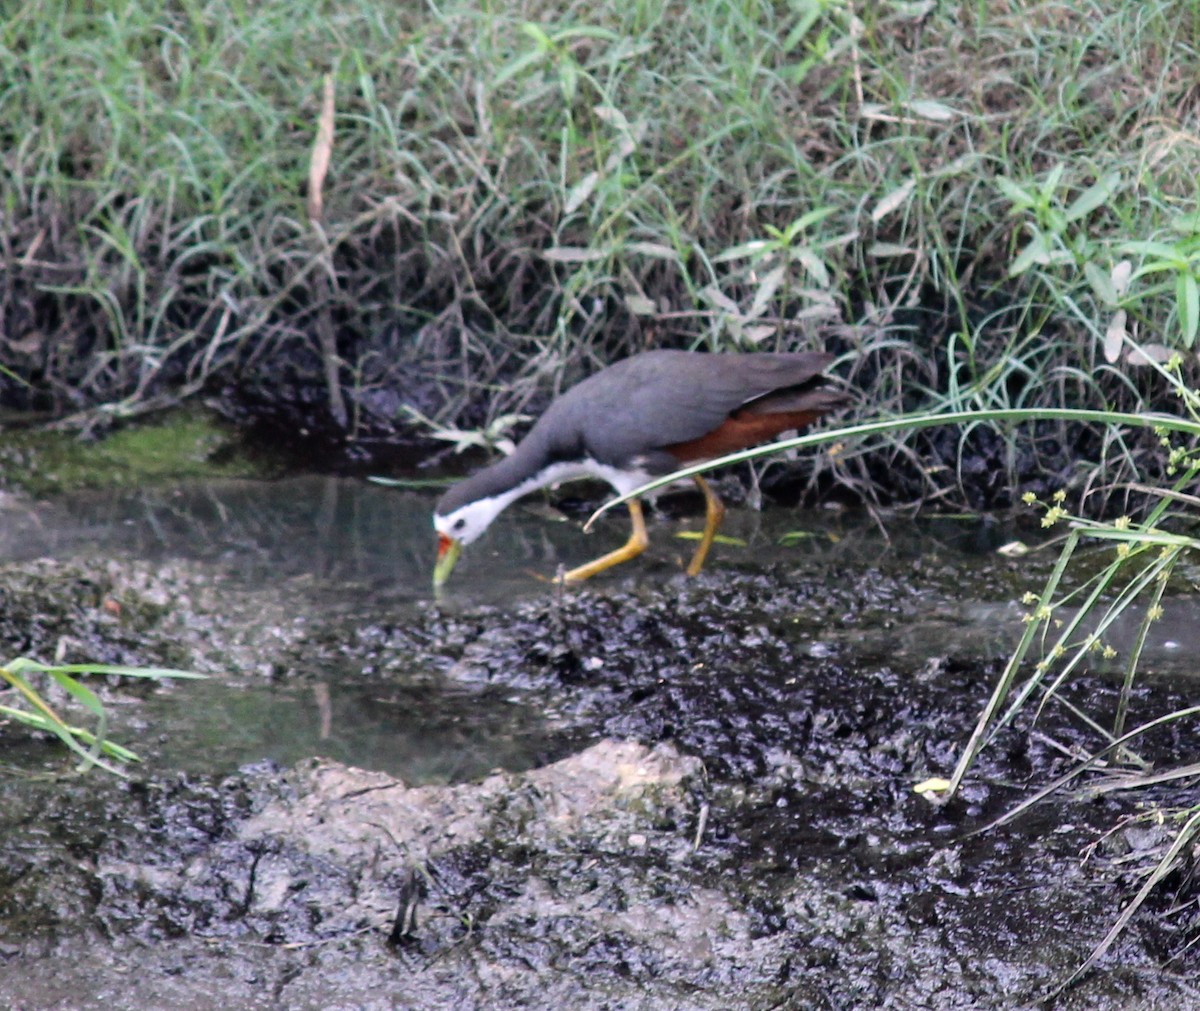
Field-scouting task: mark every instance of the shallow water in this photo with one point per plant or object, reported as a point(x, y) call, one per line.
point(812, 674)
point(351, 538)
point(409, 732)
point(347, 544)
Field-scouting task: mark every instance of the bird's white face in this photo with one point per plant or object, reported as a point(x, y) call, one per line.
point(461, 527)
point(468, 522)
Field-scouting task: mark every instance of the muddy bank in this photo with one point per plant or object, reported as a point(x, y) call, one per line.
point(718, 815)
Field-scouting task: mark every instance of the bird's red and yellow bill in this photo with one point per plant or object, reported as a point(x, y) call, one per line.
point(448, 551)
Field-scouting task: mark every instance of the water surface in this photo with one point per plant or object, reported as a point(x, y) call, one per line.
point(363, 551)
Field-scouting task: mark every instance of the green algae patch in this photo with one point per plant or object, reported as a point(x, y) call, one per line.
point(179, 446)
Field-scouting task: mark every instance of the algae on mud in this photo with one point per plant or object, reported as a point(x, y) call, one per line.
point(182, 446)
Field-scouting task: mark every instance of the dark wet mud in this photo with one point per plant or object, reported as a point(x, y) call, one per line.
point(650, 793)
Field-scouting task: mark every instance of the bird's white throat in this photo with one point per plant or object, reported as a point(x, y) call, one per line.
point(466, 523)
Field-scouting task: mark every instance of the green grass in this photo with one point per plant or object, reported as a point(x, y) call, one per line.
point(30, 679)
point(519, 191)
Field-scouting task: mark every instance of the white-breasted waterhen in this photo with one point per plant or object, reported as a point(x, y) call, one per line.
point(641, 418)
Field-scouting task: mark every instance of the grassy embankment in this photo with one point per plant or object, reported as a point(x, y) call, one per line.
point(517, 191)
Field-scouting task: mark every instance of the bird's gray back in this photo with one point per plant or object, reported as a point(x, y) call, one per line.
point(660, 398)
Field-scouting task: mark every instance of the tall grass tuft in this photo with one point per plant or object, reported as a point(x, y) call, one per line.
point(519, 192)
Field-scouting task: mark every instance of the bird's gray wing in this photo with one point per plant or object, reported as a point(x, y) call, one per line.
point(662, 398)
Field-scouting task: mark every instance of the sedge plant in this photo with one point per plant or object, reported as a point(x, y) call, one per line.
point(92, 746)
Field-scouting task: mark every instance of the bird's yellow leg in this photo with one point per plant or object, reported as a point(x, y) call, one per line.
point(714, 513)
point(632, 548)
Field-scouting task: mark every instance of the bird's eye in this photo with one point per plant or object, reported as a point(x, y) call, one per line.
point(459, 523)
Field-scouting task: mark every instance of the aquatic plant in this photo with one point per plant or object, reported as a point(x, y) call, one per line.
point(93, 747)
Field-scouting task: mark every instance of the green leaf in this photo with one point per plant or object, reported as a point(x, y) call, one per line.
point(885, 249)
point(811, 218)
point(1114, 336)
point(768, 284)
point(574, 254)
point(654, 250)
point(1020, 199)
point(1187, 224)
point(938, 112)
point(1052, 180)
point(695, 535)
point(795, 537)
point(1036, 252)
point(586, 32)
point(153, 673)
point(802, 28)
point(518, 67)
point(39, 722)
point(814, 265)
point(538, 34)
point(892, 200)
point(1094, 196)
point(580, 192)
point(79, 692)
point(1101, 282)
point(758, 247)
point(569, 78)
point(29, 719)
point(1169, 257)
point(1187, 296)
point(413, 483)
point(91, 746)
